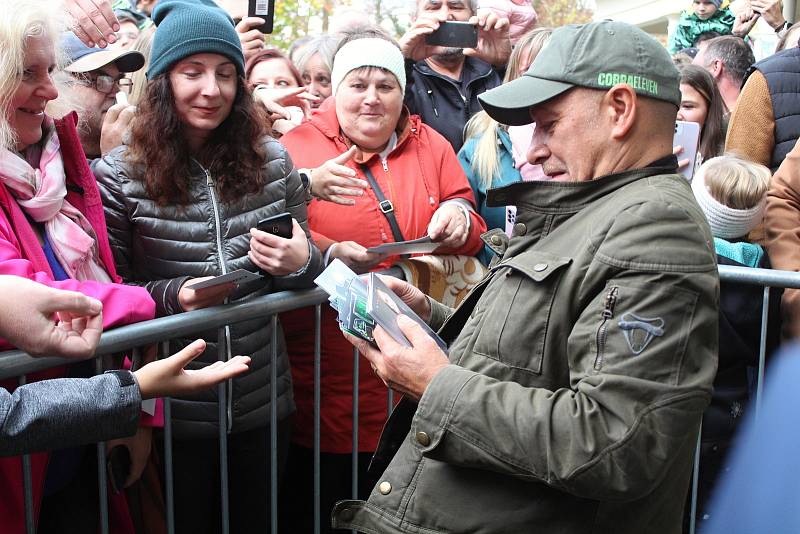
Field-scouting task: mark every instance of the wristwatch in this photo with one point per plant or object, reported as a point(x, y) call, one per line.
point(785, 26)
point(305, 177)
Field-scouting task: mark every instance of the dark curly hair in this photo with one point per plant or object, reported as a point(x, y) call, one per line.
point(235, 148)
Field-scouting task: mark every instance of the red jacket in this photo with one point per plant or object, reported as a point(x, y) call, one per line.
point(22, 255)
point(420, 173)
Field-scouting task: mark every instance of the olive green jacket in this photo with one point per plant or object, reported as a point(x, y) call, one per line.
point(580, 368)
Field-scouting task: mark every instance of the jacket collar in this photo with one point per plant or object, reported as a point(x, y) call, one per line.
point(570, 197)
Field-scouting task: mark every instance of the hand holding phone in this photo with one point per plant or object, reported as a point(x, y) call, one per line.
point(687, 138)
point(263, 9)
point(279, 225)
point(454, 34)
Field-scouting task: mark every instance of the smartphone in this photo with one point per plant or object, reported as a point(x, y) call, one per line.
point(264, 9)
point(118, 464)
point(279, 225)
point(454, 35)
point(687, 135)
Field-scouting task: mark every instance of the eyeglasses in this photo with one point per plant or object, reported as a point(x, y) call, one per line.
point(107, 84)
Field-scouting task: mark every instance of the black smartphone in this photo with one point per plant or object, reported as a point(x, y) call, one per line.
point(279, 225)
point(118, 464)
point(454, 34)
point(264, 9)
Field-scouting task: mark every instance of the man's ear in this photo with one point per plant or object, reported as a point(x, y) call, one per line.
point(620, 106)
point(717, 67)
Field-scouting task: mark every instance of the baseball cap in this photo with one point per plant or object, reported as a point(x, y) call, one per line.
point(85, 59)
point(597, 55)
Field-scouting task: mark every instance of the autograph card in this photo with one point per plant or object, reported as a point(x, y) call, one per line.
point(239, 276)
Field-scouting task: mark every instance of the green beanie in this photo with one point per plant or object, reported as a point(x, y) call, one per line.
point(186, 27)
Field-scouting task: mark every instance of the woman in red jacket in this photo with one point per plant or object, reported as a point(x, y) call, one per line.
point(361, 135)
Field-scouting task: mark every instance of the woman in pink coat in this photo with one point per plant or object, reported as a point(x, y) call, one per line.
point(52, 230)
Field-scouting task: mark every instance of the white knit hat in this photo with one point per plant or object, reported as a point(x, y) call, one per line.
point(368, 52)
point(726, 222)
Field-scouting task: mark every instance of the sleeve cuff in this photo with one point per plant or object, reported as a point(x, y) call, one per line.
point(439, 313)
point(437, 404)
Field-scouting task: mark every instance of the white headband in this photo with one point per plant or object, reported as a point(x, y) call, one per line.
point(368, 52)
point(726, 222)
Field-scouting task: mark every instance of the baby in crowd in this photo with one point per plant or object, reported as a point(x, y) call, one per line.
point(732, 193)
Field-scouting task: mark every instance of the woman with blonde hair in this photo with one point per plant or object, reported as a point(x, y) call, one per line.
point(52, 231)
point(494, 155)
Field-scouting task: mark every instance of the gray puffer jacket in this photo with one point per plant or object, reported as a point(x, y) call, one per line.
point(160, 247)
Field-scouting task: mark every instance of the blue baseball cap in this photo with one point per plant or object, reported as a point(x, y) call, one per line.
point(85, 59)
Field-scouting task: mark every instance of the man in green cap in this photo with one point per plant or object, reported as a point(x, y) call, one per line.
point(578, 370)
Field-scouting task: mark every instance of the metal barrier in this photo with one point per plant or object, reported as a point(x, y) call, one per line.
point(18, 364)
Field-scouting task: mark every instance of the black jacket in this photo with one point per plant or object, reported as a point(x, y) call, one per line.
point(159, 247)
point(445, 104)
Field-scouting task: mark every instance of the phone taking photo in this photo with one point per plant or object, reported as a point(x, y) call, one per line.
point(264, 9)
point(687, 135)
point(279, 225)
point(454, 34)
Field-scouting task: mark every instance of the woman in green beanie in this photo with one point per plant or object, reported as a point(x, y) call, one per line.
point(182, 203)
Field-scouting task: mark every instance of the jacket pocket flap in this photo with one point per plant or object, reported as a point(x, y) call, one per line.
point(536, 264)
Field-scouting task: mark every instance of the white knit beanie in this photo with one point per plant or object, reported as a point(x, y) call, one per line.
point(368, 52)
point(726, 222)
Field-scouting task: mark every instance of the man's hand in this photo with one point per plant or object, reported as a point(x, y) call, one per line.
point(355, 256)
point(769, 10)
point(448, 226)
point(115, 124)
point(333, 180)
point(94, 21)
point(406, 370)
point(412, 43)
point(745, 20)
point(252, 40)
point(494, 43)
point(191, 299)
point(277, 255)
point(168, 378)
point(45, 321)
point(410, 295)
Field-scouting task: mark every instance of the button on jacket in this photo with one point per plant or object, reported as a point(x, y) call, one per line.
point(580, 369)
point(159, 247)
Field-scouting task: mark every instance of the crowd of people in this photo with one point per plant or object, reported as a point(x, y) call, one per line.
point(141, 142)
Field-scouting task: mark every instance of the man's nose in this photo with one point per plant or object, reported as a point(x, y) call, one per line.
point(538, 151)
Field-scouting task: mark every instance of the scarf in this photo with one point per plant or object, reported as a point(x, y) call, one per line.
point(41, 193)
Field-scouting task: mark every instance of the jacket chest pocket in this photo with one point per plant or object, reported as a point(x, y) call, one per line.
point(516, 314)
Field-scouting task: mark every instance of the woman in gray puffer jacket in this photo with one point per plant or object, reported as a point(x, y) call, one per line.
point(182, 202)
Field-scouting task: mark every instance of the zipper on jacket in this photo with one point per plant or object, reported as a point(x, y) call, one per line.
point(224, 268)
point(602, 330)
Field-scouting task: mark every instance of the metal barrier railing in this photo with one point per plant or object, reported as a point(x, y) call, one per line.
point(19, 364)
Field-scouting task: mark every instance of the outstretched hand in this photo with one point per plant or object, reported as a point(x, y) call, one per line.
point(168, 378)
point(49, 321)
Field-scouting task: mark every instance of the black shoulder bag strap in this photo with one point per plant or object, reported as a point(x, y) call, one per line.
point(386, 206)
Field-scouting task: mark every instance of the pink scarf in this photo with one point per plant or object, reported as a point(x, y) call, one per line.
point(42, 195)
